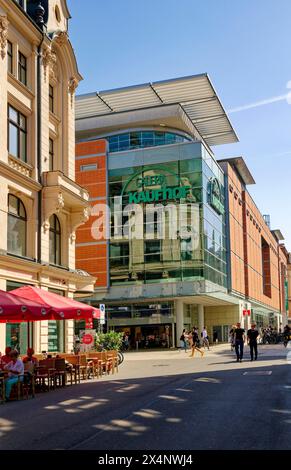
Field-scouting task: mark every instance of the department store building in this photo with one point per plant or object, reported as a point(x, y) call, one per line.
point(183, 243)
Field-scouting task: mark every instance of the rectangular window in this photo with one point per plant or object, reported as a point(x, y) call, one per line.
point(51, 98)
point(152, 250)
point(91, 167)
point(17, 134)
point(22, 68)
point(51, 155)
point(10, 57)
point(266, 262)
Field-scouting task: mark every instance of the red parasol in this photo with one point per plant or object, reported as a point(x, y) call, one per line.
point(15, 309)
point(62, 308)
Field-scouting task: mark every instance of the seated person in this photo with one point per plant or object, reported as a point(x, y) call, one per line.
point(15, 370)
point(30, 357)
point(6, 358)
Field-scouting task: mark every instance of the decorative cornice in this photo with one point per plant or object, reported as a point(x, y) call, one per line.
point(3, 35)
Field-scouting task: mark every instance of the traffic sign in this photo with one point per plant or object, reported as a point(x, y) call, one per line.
point(102, 314)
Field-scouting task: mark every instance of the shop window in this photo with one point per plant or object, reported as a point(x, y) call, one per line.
point(56, 330)
point(17, 220)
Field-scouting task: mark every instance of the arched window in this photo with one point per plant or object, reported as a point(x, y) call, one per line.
point(55, 241)
point(16, 237)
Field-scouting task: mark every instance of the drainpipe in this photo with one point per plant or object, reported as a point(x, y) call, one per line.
point(39, 153)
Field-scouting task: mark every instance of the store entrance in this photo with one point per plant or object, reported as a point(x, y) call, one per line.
point(148, 336)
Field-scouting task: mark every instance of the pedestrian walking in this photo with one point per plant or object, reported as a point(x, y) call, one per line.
point(195, 343)
point(239, 338)
point(205, 339)
point(215, 337)
point(252, 341)
point(183, 340)
point(231, 338)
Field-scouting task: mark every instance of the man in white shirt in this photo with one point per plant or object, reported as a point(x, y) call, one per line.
point(15, 370)
point(205, 341)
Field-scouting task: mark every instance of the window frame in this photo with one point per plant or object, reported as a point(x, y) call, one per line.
point(22, 68)
point(57, 232)
point(10, 57)
point(51, 154)
point(18, 217)
point(20, 130)
point(51, 98)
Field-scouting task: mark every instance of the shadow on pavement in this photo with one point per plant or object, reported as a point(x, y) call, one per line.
point(202, 410)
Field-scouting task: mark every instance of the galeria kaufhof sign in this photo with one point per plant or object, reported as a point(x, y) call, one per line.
point(147, 186)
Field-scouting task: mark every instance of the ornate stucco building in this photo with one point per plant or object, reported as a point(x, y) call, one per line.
point(41, 205)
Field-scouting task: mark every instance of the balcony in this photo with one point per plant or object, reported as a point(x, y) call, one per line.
point(60, 193)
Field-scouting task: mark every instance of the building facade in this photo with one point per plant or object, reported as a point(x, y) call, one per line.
point(171, 237)
point(41, 204)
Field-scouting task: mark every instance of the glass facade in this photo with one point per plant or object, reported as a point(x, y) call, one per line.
point(180, 221)
point(142, 139)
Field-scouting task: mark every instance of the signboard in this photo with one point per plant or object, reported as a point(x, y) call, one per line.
point(87, 339)
point(246, 313)
point(215, 196)
point(53, 336)
point(102, 314)
point(89, 324)
point(148, 187)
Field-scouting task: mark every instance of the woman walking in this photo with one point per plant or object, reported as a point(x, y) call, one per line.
point(195, 343)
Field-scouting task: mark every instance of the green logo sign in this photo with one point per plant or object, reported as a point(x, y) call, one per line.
point(156, 184)
point(215, 196)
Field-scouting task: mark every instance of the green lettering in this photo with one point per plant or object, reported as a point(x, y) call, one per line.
point(133, 199)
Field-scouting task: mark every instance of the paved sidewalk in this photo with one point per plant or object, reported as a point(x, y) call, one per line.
point(156, 401)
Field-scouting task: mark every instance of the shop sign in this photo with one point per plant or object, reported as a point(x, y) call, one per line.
point(155, 188)
point(215, 196)
point(89, 323)
point(87, 338)
point(246, 313)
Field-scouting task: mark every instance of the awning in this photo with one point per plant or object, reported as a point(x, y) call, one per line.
point(17, 309)
point(61, 308)
point(195, 94)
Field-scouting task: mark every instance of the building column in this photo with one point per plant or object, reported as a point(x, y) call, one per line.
point(179, 320)
point(173, 335)
point(69, 331)
point(201, 321)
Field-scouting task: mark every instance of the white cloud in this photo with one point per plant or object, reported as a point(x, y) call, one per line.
point(274, 99)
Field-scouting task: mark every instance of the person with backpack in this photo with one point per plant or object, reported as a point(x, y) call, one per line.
point(183, 340)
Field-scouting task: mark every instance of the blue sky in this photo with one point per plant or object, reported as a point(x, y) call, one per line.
point(244, 46)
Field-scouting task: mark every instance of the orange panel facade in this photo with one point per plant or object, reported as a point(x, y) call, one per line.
point(91, 172)
point(258, 262)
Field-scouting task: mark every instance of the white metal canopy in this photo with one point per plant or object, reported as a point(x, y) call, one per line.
point(195, 94)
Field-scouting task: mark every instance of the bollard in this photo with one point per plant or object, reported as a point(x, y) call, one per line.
point(136, 345)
